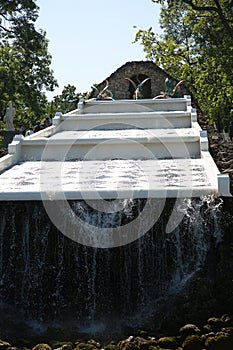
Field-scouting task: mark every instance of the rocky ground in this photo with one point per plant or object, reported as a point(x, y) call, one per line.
point(214, 334)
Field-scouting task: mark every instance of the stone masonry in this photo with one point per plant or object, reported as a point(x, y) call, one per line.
point(137, 71)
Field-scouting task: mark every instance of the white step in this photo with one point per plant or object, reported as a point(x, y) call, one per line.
point(112, 144)
point(143, 120)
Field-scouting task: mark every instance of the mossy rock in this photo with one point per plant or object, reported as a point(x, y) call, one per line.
point(215, 324)
point(42, 346)
point(59, 344)
point(4, 344)
point(188, 329)
point(193, 342)
point(85, 346)
point(110, 347)
point(167, 343)
point(229, 331)
point(150, 344)
point(128, 345)
point(63, 345)
point(221, 341)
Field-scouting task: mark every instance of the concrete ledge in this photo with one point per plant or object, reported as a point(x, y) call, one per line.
point(47, 132)
point(106, 144)
point(224, 185)
point(102, 194)
point(145, 105)
point(14, 147)
point(7, 161)
point(117, 136)
point(143, 120)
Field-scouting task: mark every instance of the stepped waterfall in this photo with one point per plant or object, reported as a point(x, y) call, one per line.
point(113, 217)
point(46, 277)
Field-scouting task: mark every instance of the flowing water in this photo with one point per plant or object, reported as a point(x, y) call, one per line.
point(46, 276)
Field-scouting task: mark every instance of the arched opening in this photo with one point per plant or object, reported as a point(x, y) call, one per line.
point(145, 88)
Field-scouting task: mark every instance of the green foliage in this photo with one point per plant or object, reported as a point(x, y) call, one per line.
point(24, 62)
point(66, 102)
point(197, 45)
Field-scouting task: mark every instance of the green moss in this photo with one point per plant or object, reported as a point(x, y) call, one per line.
point(229, 330)
point(42, 346)
point(168, 343)
point(128, 345)
point(221, 341)
point(85, 346)
point(215, 323)
point(188, 329)
point(110, 347)
point(152, 343)
point(65, 345)
point(193, 342)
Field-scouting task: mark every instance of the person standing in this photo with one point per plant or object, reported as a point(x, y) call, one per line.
point(29, 132)
point(20, 130)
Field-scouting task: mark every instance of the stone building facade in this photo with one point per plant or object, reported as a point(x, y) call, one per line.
point(136, 71)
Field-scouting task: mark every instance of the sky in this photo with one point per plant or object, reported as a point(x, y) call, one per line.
point(90, 39)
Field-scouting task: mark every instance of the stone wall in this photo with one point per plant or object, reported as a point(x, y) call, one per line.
point(137, 70)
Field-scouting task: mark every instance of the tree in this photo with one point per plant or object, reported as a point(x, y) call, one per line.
point(197, 45)
point(24, 61)
point(67, 101)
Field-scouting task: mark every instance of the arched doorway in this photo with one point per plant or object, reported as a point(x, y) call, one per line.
point(145, 88)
